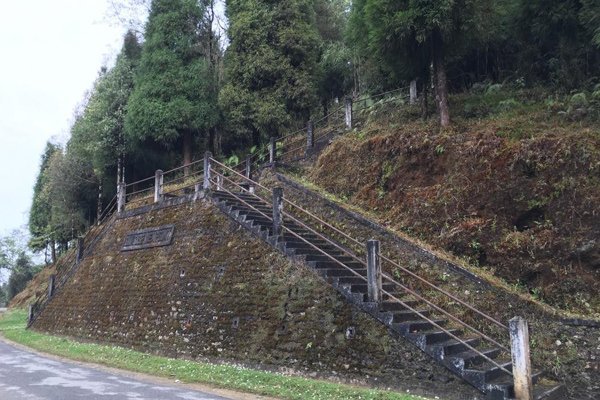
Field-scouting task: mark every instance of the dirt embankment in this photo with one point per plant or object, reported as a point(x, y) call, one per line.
point(526, 209)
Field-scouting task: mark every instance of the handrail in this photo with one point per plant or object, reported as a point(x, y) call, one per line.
point(242, 176)
point(140, 181)
point(448, 332)
point(395, 264)
point(182, 167)
point(499, 324)
point(387, 277)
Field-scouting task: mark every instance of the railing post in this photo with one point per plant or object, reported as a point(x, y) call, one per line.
point(248, 167)
point(413, 92)
point(272, 152)
point(277, 211)
point(30, 314)
point(121, 196)
point(374, 285)
point(207, 157)
point(219, 182)
point(158, 185)
point(79, 249)
point(521, 361)
point(51, 286)
point(348, 112)
point(310, 136)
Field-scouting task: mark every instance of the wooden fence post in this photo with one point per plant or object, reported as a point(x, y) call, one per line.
point(277, 211)
point(348, 109)
point(30, 314)
point(158, 185)
point(374, 284)
point(207, 157)
point(521, 361)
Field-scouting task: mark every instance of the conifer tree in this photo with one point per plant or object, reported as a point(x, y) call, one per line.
point(98, 133)
point(174, 98)
point(40, 214)
point(270, 67)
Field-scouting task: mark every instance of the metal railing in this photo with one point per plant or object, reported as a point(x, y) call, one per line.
point(220, 184)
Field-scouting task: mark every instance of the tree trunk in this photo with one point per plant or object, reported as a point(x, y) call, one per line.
point(187, 151)
point(53, 251)
point(424, 98)
point(99, 209)
point(413, 92)
point(441, 82)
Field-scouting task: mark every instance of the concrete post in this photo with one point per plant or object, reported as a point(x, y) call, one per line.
point(30, 314)
point(413, 92)
point(374, 272)
point(207, 157)
point(80, 249)
point(121, 196)
point(277, 211)
point(249, 167)
point(272, 152)
point(521, 362)
point(348, 113)
point(158, 185)
point(310, 136)
point(51, 286)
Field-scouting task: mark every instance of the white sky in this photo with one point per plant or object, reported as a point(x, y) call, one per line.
point(50, 54)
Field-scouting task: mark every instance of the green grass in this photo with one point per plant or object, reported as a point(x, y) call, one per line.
point(12, 326)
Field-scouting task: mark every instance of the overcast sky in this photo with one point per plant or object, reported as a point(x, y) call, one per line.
point(50, 54)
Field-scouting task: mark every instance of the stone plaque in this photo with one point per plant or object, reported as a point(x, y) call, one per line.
point(147, 238)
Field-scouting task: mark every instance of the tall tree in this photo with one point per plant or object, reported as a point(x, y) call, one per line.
point(40, 214)
point(174, 99)
point(98, 132)
point(22, 273)
point(270, 67)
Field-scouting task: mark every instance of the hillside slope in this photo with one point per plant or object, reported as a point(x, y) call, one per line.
point(516, 194)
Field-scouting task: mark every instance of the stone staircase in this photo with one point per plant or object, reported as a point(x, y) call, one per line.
point(408, 316)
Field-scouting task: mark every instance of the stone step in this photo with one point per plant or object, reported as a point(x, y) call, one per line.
point(363, 287)
point(435, 336)
point(470, 358)
point(391, 305)
point(419, 326)
point(322, 258)
point(407, 315)
point(339, 272)
point(451, 347)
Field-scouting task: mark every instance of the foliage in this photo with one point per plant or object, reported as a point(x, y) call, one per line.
point(3, 295)
point(98, 133)
point(22, 273)
point(270, 66)
point(174, 92)
point(40, 213)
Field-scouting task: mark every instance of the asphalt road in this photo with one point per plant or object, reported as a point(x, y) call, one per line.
point(28, 376)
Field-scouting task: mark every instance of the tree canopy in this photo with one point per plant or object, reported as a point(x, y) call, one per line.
point(174, 97)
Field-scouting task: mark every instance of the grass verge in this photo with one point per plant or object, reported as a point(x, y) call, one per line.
point(13, 327)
